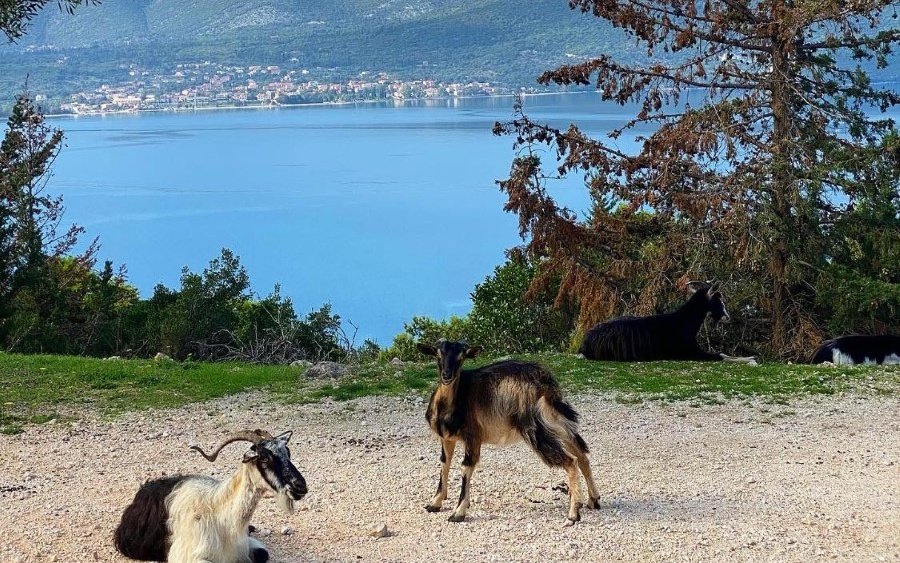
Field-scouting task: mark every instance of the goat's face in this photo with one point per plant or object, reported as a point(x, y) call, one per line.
point(716, 307)
point(450, 357)
point(275, 473)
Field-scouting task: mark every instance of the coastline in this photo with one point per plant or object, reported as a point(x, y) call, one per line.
point(269, 107)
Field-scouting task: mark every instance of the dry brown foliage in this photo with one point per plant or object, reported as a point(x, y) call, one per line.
point(740, 187)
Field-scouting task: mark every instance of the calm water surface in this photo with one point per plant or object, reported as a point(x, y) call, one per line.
point(385, 212)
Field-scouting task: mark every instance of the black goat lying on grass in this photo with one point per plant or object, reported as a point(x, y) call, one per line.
point(858, 349)
point(670, 336)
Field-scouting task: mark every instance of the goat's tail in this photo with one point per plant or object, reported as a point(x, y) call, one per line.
point(552, 432)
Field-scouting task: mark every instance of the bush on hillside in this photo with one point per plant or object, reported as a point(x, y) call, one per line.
point(505, 318)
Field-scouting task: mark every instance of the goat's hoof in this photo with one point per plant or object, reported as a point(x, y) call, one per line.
point(456, 518)
point(251, 529)
point(432, 508)
point(259, 555)
point(570, 522)
point(593, 504)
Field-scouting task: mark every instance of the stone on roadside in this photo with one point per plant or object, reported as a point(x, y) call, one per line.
point(324, 370)
point(301, 364)
point(379, 531)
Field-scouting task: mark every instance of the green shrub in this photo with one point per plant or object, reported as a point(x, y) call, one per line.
point(505, 320)
point(425, 329)
point(857, 303)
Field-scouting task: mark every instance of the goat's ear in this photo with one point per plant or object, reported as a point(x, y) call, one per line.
point(285, 438)
point(473, 351)
point(250, 455)
point(426, 349)
point(695, 286)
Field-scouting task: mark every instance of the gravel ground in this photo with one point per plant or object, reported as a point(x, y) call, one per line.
point(739, 482)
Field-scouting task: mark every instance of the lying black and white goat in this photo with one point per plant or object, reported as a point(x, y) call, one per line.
point(194, 518)
point(670, 336)
point(502, 403)
point(858, 349)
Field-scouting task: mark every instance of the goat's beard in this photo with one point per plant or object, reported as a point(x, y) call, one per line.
point(285, 502)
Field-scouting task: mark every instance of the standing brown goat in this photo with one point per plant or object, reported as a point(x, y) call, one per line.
point(502, 403)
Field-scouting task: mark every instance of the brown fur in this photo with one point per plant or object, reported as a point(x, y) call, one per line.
point(500, 404)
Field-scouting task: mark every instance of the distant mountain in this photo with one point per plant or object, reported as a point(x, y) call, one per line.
point(502, 41)
point(484, 38)
point(499, 41)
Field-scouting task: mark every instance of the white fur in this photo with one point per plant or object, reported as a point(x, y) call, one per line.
point(839, 358)
point(208, 518)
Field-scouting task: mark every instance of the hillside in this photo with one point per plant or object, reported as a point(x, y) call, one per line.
point(498, 41)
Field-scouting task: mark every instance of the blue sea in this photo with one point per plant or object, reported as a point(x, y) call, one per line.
point(384, 211)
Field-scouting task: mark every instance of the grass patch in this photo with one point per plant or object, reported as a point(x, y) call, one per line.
point(35, 389)
point(713, 382)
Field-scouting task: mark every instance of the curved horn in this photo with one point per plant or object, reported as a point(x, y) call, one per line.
point(253, 436)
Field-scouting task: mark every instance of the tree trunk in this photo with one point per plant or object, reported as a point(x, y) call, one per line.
point(782, 179)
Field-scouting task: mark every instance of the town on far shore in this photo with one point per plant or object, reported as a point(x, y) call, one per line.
point(212, 85)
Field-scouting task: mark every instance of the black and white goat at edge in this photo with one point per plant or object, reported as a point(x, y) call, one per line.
point(859, 350)
point(669, 336)
point(199, 519)
point(502, 403)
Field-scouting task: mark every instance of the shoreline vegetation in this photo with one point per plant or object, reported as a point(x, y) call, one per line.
point(276, 106)
point(42, 388)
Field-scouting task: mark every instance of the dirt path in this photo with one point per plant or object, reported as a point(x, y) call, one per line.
point(819, 481)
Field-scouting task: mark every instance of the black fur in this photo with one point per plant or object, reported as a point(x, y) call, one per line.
point(259, 555)
point(143, 533)
point(545, 443)
point(671, 336)
point(566, 410)
point(859, 348)
point(581, 443)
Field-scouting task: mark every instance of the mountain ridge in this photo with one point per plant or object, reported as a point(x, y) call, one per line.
point(499, 41)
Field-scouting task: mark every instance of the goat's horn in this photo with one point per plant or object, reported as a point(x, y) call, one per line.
point(254, 436)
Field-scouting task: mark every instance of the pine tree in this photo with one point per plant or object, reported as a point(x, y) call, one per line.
point(15, 14)
point(30, 219)
point(762, 140)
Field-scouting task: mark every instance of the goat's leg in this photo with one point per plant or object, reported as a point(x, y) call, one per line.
point(584, 464)
point(447, 449)
point(698, 355)
point(749, 360)
point(473, 454)
point(574, 486)
point(184, 548)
